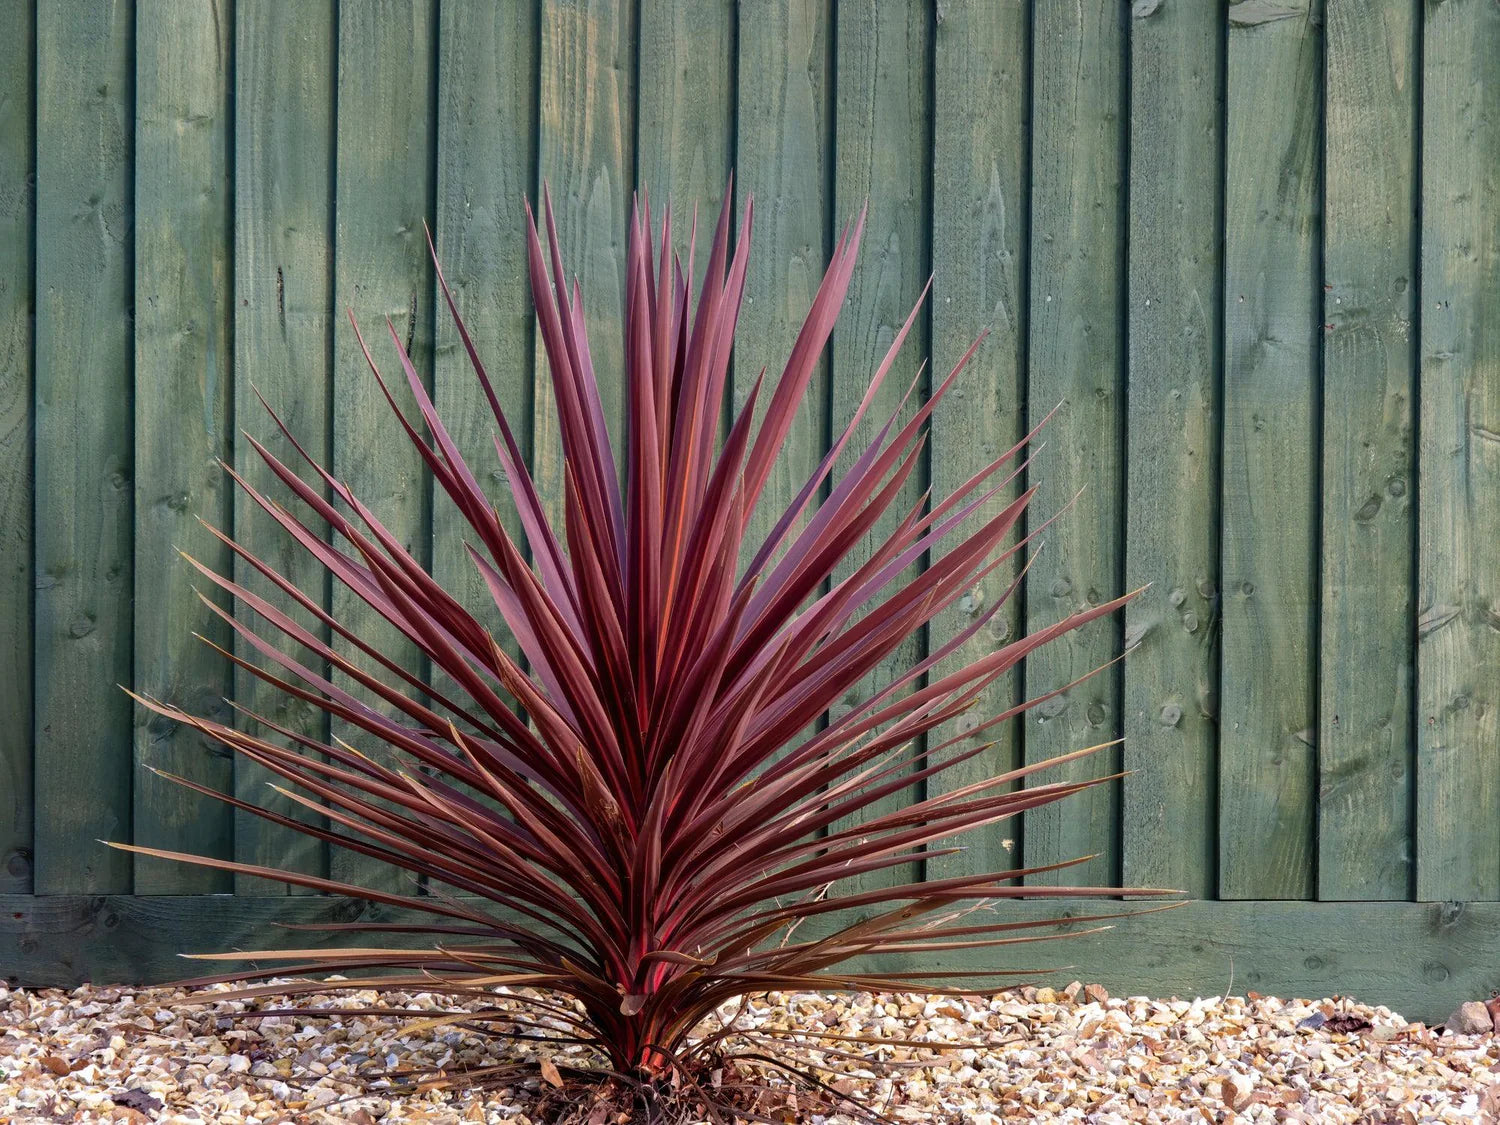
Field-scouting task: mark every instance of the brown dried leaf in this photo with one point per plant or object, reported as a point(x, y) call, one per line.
point(1346, 1025)
point(138, 1099)
point(550, 1073)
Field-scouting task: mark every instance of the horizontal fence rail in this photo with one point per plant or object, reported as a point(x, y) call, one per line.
point(1249, 251)
point(1415, 957)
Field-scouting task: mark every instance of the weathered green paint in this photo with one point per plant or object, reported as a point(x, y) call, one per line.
point(1268, 696)
point(1172, 491)
point(979, 211)
point(486, 153)
point(782, 156)
point(685, 97)
point(184, 366)
point(783, 148)
point(1060, 166)
point(17, 217)
point(586, 152)
point(685, 107)
point(382, 271)
point(84, 218)
point(285, 73)
point(1364, 746)
point(1421, 959)
point(882, 136)
point(1075, 293)
point(1458, 494)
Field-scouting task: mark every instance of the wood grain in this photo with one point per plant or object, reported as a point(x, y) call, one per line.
point(486, 151)
point(1458, 630)
point(1421, 959)
point(84, 542)
point(979, 252)
point(1076, 362)
point(17, 311)
point(586, 153)
point(1268, 706)
point(685, 106)
point(782, 156)
point(1364, 744)
point(882, 136)
point(382, 270)
point(285, 86)
point(1172, 490)
point(1306, 477)
point(184, 355)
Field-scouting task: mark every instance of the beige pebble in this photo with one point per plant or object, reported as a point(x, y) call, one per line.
point(1036, 1054)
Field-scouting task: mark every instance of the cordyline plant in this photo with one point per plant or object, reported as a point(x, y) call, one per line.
point(638, 813)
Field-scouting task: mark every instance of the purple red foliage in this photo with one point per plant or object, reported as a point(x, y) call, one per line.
point(638, 812)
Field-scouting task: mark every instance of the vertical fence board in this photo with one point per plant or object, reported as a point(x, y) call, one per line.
point(17, 215)
point(1172, 505)
point(183, 407)
point(1458, 653)
point(882, 133)
point(1268, 716)
point(486, 168)
point(283, 262)
point(1076, 289)
point(1365, 676)
point(685, 110)
point(979, 215)
point(586, 150)
point(781, 157)
point(1279, 504)
point(382, 270)
point(83, 445)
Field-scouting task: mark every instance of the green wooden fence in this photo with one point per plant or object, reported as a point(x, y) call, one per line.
point(1253, 250)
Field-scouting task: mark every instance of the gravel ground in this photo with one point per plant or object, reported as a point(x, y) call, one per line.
point(126, 1055)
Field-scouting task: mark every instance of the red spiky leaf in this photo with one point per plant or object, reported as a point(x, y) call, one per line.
point(637, 815)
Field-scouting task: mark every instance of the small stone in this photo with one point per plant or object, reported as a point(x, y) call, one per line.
point(1472, 1018)
point(1112, 1061)
point(1236, 1091)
